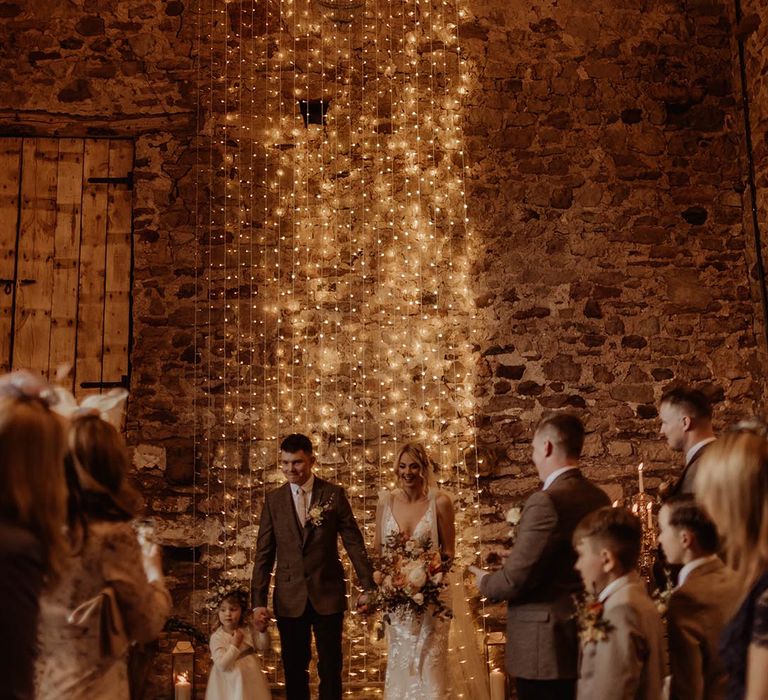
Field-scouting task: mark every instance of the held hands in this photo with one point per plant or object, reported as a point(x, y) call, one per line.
point(261, 618)
point(363, 603)
point(152, 560)
point(478, 573)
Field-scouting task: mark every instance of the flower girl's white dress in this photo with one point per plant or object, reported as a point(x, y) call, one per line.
point(417, 657)
point(236, 673)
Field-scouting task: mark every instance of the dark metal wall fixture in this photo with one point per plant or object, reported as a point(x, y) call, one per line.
point(744, 27)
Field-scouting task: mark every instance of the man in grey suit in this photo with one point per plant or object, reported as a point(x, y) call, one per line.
point(538, 580)
point(686, 423)
point(301, 522)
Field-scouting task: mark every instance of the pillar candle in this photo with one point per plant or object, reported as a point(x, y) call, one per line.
point(640, 477)
point(498, 684)
point(182, 689)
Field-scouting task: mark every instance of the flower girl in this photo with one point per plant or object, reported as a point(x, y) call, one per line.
point(236, 672)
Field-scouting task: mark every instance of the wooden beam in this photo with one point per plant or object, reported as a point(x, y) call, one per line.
point(117, 300)
point(90, 316)
point(69, 192)
point(34, 282)
point(10, 169)
point(40, 123)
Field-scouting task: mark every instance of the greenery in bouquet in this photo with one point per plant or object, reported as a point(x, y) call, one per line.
point(410, 575)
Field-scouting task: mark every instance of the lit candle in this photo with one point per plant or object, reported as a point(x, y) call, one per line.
point(615, 504)
point(649, 510)
point(182, 688)
point(640, 477)
point(498, 684)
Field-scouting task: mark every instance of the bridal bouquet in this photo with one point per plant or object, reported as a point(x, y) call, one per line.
point(410, 576)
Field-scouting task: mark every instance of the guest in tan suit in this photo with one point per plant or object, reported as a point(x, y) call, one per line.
point(624, 656)
point(537, 579)
point(699, 608)
point(300, 525)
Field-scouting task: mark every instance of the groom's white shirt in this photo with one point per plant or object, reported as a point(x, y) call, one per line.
point(306, 487)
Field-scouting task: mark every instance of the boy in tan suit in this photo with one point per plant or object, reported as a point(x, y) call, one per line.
point(704, 600)
point(622, 651)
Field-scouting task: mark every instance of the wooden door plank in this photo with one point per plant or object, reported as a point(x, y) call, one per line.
point(69, 192)
point(118, 265)
point(10, 172)
point(90, 316)
point(34, 282)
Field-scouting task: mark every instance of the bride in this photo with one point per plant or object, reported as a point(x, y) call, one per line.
point(417, 662)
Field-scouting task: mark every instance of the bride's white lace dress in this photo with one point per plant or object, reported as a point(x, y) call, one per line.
point(417, 659)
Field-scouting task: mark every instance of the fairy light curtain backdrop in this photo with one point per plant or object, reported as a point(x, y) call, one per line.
point(333, 249)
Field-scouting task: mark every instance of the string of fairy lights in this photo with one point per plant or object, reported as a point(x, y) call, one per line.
point(334, 247)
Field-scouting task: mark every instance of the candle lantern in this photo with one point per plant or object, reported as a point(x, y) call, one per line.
point(183, 667)
point(495, 642)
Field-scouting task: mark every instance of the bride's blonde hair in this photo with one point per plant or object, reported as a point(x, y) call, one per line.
point(418, 452)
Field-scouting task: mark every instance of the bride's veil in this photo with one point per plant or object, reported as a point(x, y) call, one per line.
point(469, 675)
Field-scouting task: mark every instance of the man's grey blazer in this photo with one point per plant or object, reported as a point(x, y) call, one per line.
point(538, 580)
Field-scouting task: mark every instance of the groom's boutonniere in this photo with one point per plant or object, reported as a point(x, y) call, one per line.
point(317, 512)
point(593, 627)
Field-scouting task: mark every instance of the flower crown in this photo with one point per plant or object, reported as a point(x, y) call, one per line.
point(226, 589)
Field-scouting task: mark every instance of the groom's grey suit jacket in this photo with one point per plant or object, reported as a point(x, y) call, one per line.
point(307, 560)
point(538, 580)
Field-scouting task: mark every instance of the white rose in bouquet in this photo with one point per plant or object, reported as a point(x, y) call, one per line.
point(416, 576)
point(437, 578)
point(418, 598)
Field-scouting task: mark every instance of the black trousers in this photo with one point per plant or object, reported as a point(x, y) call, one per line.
point(296, 652)
point(560, 689)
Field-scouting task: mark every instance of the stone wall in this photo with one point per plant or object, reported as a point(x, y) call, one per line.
point(752, 31)
point(605, 177)
point(607, 184)
point(111, 68)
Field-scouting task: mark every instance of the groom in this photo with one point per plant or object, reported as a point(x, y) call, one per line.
point(300, 525)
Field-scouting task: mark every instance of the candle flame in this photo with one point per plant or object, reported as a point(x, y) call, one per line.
point(640, 466)
point(182, 677)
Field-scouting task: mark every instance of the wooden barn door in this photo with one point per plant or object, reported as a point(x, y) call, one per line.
point(65, 258)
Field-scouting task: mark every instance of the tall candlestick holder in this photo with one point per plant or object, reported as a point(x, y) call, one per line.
point(641, 505)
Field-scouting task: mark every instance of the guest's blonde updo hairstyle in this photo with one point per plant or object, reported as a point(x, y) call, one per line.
point(418, 452)
point(732, 486)
point(33, 491)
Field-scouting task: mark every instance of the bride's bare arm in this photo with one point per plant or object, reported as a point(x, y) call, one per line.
point(446, 526)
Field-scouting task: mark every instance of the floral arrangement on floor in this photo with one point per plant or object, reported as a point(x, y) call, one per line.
point(175, 624)
point(592, 626)
point(410, 576)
